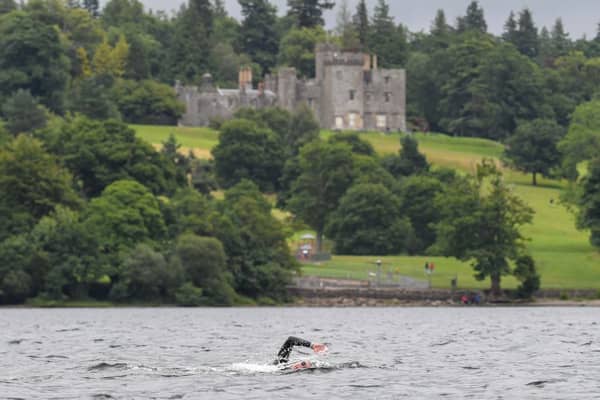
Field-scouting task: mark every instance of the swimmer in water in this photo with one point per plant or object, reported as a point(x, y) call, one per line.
point(284, 353)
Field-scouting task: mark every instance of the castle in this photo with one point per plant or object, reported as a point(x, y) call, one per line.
point(349, 92)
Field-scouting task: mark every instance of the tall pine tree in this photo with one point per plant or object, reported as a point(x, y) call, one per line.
point(510, 29)
point(361, 24)
point(527, 40)
point(388, 41)
point(191, 48)
point(345, 28)
point(309, 13)
point(7, 6)
point(560, 41)
point(474, 20)
point(258, 34)
point(92, 6)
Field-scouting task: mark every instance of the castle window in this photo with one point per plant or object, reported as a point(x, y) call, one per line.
point(311, 102)
point(388, 97)
point(352, 120)
point(381, 121)
point(387, 79)
point(352, 94)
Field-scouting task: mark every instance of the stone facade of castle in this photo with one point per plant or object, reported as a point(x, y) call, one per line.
point(349, 92)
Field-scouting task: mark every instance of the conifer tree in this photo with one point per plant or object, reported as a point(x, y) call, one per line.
point(440, 26)
point(309, 13)
point(345, 28)
point(92, 6)
point(219, 9)
point(191, 46)
point(361, 24)
point(510, 29)
point(7, 6)
point(527, 35)
point(560, 41)
point(474, 20)
point(388, 41)
point(258, 34)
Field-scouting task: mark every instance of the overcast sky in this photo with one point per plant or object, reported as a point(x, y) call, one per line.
point(579, 16)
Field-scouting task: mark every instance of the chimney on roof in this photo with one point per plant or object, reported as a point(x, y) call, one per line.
point(245, 78)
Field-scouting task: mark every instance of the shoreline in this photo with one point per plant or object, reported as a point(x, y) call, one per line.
point(340, 303)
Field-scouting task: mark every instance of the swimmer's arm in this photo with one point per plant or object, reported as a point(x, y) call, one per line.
point(286, 349)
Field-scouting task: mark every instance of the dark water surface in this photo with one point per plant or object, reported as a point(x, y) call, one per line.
point(375, 353)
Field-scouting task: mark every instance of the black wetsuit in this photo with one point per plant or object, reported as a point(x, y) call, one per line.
point(284, 353)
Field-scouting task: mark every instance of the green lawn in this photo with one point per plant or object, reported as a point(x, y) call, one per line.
point(200, 140)
point(563, 255)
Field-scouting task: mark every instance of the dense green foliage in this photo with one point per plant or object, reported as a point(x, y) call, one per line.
point(369, 221)
point(533, 148)
point(91, 211)
point(482, 224)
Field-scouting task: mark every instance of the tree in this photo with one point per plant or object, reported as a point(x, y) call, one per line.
point(23, 114)
point(368, 221)
point(527, 41)
point(526, 273)
point(510, 29)
point(189, 212)
point(309, 13)
point(93, 97)
point(16, 267)
point(204, 263)
point(92, 7)
point(258, 35)
point(560, 41)
point(147, 102)
point(582, 142)
point(409, 161)
point(32, 183)
point(588, 216)
point(124, 215)
point(67, 260)
point(418, 195)
point(362, 25)
point(533, 148)
point(298, 49)
point(189, 53)
point(303, 128)
point(7, 6)
point(387, 40)
point(440, 30)
point(111, 60)
point(345, 28)
point(474, 20)
point(258, 255)
point(99, 153)
point(357, 145)
point(44, 72)
point(326, 174)
point(482, 225)
point(246, 151)
point(146, 276)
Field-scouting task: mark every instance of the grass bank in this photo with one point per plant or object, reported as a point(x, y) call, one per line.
point(563, 254)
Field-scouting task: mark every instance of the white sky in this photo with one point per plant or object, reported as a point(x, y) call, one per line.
point(579, 16)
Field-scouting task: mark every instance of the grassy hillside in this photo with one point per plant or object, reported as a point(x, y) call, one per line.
point(564, 256)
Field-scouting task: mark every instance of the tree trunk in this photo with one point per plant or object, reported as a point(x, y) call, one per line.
point(496, 291)
point(534, 179)
point(319, 241)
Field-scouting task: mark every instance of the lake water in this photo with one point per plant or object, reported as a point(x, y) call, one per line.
point(374, 353)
